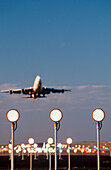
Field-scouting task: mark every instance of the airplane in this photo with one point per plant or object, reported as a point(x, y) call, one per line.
point(37, 91)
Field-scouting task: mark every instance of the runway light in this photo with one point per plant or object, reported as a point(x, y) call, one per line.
point(109, 148)
point(24, 151)
point(45, 150)
point(59, 145)
point(47, 145)
point(10, 146)
point(0, 150)
point(82, 150)
point(35, 145)
point(23, 145)
point(60, 150)
point(50, 149)
point(17, 151)
point(103, 151)
point(39, 150)
point(75, 150)
point(55, 115)
point(89, 150)
point(9, 151)
point(93, 151)
point(50, 141)
point(31, 141)
point(98, 115)
point(69, 141)
point(28, 149)
point(12, 115)
point(67, 150)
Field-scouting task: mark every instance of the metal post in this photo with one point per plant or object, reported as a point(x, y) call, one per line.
point(47, 155)
point(30, 160)
point(22, 154)
point(50, 161)
point(35, 156)
point(55, 129)
point(19, 153)
point(69, 166)
point(98, 146)
point(59, 154)
point(12, 153)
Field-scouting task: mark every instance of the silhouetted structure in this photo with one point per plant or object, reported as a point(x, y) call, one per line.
point(78, 162)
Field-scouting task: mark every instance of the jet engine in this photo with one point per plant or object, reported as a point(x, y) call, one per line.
point(22, 91)
point(34, 95)
point(10, 91)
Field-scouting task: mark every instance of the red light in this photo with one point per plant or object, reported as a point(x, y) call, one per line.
point(109, 148)
point(93, 151)
point(103, 151)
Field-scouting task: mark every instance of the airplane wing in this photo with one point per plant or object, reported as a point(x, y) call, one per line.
point(18, 91)
point(46, 90)
point(4, 91)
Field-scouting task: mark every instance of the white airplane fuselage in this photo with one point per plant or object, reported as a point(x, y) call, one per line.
point(37, 84)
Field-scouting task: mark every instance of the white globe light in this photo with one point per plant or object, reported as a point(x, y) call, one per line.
point(75, 150)
point(98, 115)
point(50, 140)
point(35, 145)
point(10, 145)
point(47, 145)
point(31, 141)
point(23, 145)
point(59, 145)
point(55, 115)
point(69, 141)
point(12, 115)
point(24, 151)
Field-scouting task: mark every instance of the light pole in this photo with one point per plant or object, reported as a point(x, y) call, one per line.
point(56, 115)
point(47, 148)
point(31, 142)
point(12, 116)
point(23, 147)
point(10, 148)
point(50, 141)
point(69, 141)
point(98, 115)
point(35, 150)
point(60, 149)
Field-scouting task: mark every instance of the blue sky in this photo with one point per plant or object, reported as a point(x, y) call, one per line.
point(68, 44)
